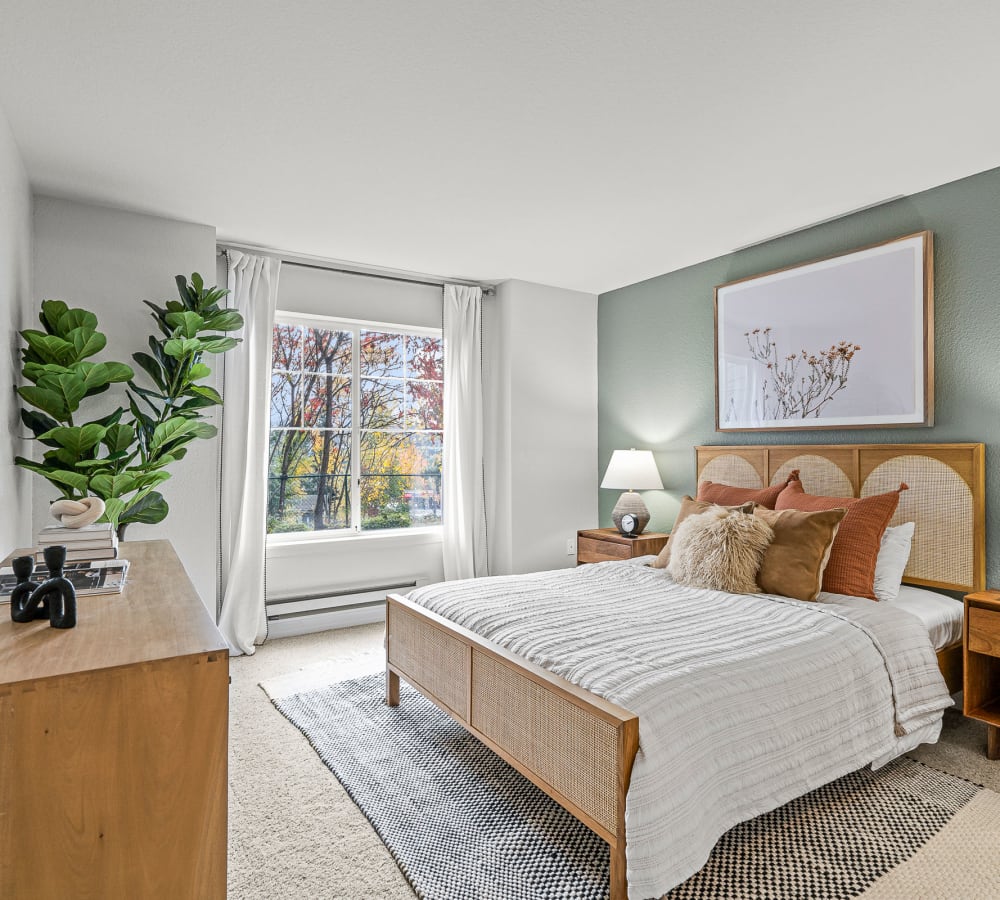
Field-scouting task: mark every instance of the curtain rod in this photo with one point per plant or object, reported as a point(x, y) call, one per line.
point(487, 289)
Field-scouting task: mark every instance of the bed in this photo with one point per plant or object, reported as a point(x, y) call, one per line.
point(567, 729)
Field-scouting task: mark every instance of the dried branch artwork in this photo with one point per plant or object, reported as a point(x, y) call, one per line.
point(798, 385)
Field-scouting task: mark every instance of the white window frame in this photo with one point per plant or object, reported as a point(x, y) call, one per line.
point(355, 326)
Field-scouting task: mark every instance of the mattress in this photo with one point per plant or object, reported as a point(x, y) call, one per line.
point(941, 615)
point(744, 701)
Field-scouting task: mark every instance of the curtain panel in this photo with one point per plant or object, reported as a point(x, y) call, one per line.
point(464, 505)
point(253, 282)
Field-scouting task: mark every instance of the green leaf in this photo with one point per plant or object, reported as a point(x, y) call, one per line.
point(141, 417)
point(111, 418)
point(49, 401)
point(218, 344)
point(106, 486)
point(33, 370)
point(119, 438)
point(105, 462)
point(209, 393)
point(181, 347)
point(33, 466)
point(197, 282)
point(186, 324)
point(224, 320)
point(149, 479)
point(151, 367)
point(49, 348)
point(178, 429)
point(75, 480)
point(50, 314)
point(76, 318)
point(38, 422)
point(113, 509)
point(86, 343)
point(77, 439)
point(198, 371)
point(150, 510)
point(98, 376)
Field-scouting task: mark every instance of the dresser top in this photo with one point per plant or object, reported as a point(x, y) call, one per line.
point(158, 616)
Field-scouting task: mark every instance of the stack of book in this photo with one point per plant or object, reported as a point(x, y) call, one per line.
point(97, 541)
point(102, 576)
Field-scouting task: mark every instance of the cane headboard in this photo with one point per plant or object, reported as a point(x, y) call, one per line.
point(946, 497)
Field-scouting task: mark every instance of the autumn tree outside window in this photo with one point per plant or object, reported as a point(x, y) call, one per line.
point(356, 426)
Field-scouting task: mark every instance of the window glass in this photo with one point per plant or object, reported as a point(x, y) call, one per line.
point(396, 481)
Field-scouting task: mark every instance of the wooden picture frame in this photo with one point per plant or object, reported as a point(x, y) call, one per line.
point(845, 341)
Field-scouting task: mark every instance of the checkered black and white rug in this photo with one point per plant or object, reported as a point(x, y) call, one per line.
point(464, 825)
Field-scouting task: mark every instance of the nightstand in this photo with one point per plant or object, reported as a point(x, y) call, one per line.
point(982, 664)
point(606, 544)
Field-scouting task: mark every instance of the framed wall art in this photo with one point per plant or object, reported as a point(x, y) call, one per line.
point(841, 342)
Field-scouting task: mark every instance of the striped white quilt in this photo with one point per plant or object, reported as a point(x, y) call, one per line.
point(744, 702)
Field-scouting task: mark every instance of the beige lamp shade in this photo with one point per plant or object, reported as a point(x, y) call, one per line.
point(632, 470)
point(628, 471)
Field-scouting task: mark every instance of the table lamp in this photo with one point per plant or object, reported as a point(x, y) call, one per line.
point(630, 471)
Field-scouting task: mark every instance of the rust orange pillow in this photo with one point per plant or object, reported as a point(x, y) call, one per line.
point(851, 568)
point(727, 495)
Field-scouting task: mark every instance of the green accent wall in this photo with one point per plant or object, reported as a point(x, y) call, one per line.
point(656, 338)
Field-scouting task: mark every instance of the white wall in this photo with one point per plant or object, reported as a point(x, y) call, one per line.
point(542, 380)
point(15, 298)
point(109, 261)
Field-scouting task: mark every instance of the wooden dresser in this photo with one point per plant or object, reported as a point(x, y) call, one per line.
point(113, 744)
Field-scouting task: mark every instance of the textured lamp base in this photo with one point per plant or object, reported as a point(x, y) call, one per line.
point(630, 502)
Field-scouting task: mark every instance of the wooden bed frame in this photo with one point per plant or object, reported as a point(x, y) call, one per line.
point(578, 747)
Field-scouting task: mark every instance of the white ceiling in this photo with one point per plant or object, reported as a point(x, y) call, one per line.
point(580, 144)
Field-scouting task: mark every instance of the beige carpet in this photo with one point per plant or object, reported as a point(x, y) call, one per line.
point(294, 832)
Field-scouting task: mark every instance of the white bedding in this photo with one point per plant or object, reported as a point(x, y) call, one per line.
point(744, 702)
point(941, 615)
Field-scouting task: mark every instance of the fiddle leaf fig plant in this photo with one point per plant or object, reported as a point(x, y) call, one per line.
point(122, 457)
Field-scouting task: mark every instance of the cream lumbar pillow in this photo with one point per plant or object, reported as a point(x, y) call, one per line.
point(720, 549)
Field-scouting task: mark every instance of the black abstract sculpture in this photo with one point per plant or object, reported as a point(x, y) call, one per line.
point(54, 599)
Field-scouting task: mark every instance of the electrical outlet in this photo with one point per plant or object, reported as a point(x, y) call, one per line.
point(570, 546)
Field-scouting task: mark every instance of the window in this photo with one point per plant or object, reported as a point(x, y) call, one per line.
point(356, 426)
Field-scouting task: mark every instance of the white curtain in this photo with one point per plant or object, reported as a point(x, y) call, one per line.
point(253, 281)
point(464, 512)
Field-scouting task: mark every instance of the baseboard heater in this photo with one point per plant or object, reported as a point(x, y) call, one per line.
point(364, 596)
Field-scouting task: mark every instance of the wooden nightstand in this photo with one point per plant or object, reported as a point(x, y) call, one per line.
point(982, 664)
point(606, 544)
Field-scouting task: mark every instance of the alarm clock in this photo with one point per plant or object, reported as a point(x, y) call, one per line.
point(629, 525)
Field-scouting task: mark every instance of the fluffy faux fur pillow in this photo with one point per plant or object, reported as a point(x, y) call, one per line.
point(719, 549)
point(691, 507)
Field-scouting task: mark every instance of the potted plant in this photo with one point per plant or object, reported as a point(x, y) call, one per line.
point(122, 457)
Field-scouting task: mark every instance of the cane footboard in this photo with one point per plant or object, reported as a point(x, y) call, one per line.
point(574, 745)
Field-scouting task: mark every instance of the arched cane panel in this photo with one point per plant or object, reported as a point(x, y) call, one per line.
point(941, 504)
point(728, 468)
point(818, 475)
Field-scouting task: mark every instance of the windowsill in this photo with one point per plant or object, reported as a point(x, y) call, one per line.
point(296, 542)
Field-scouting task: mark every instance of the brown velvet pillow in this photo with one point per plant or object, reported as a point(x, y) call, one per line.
point(851, 569)
point(727, 495)
point(691, 507)
point(794, 562)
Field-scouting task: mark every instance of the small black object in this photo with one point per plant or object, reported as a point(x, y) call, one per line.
point(54, 599)
point(23, 608)
point(629, 526)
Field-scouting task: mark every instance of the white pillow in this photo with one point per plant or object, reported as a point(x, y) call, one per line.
point(893, 555)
